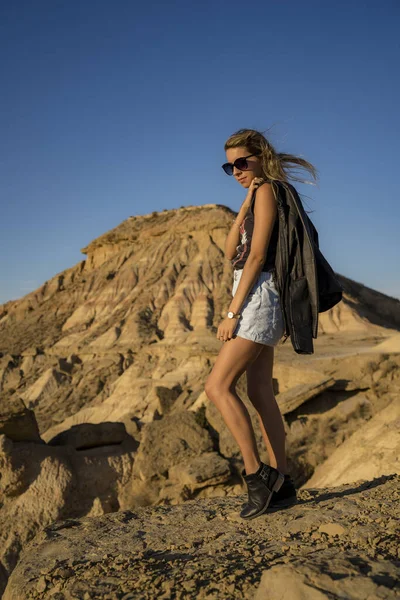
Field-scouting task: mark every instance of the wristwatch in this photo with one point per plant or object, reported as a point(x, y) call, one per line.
point(232, 315)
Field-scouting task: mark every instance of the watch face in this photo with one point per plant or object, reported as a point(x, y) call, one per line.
point(230, 314)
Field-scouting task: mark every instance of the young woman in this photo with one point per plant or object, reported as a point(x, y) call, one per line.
point(254, 323)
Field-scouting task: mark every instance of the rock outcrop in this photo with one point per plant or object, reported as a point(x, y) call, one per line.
point(102, 373)
point(140, 312)
point(91, 469)
point(370, 451)
point(338, 542)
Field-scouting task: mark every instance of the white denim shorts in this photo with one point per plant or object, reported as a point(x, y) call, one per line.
point(262, 319)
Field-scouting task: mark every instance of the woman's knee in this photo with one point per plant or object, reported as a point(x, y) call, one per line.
point(215, 388)
point(212, 389)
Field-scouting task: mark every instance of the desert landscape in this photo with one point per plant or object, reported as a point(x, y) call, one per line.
point(119, 478)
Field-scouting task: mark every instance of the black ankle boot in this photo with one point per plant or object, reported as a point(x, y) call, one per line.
point(260, 487)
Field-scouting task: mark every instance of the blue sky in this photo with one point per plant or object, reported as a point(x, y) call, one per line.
point(112, 109)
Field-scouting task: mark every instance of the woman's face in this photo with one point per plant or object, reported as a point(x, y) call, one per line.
point(244, 177)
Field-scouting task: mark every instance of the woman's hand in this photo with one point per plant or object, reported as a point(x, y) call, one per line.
point(226, 329)
point(255, 183)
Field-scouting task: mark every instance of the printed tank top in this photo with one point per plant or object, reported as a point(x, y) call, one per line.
point(246, 234)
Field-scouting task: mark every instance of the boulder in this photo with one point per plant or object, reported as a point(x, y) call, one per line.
point(171, 440)
point(337, 578)
point(208, 469)
point(18, 422)
point(296, 396)
point(90, 435)
point(40, 484)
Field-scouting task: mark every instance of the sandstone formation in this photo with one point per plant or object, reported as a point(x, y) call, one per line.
point(150, 291)
point(90, 469)
point(391, 344)
point(370, 451)
point(337, 542)
point(102, 372)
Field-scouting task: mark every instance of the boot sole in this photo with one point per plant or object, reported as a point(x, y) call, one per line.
point(283, 504)
point(277, 486)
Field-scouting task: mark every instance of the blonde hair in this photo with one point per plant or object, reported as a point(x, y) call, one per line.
point(275, 165)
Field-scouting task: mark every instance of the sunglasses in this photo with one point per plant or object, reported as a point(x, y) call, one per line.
point(240, 163)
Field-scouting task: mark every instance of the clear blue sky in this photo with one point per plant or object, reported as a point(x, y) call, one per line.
point(111, 109)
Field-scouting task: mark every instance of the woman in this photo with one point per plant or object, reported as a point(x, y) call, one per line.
point(254, 322)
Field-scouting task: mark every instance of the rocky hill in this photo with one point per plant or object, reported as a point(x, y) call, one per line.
point(143, 307)
point(102, 373)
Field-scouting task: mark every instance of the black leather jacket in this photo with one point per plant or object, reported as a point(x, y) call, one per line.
point(306, 283)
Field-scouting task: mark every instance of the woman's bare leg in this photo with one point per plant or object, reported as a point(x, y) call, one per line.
point(233, 359)
point(261, 395)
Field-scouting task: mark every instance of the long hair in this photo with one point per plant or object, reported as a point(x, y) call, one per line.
point(276, 166)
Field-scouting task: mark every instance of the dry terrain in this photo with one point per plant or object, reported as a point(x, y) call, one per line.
point(105, 427)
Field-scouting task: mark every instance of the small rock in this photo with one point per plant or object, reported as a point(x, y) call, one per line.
point(331, 529)
point(41, 585)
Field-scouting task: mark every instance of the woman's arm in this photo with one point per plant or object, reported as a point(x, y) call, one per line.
point(265, 211)
point(233, 237)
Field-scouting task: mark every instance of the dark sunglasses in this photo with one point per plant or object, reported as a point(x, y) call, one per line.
point(240, 163)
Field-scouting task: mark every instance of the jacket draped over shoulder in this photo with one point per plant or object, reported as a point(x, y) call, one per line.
point(305, 280)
